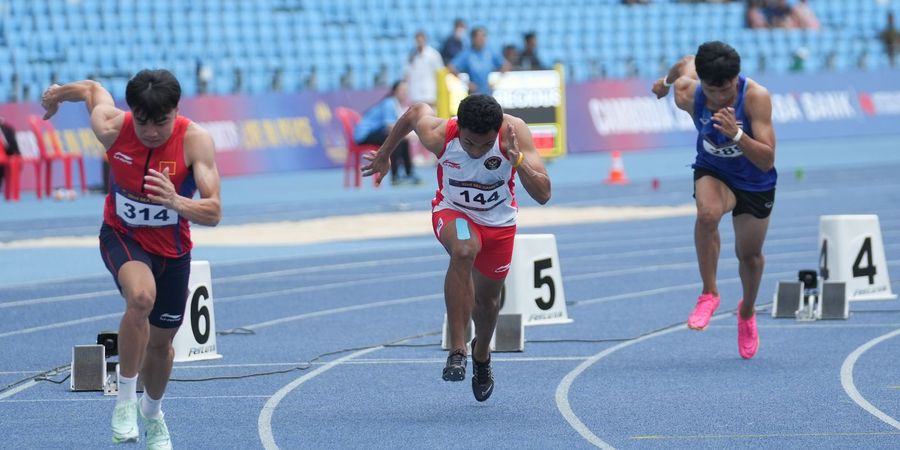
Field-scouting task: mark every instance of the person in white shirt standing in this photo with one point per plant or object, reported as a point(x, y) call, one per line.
point(421, 71)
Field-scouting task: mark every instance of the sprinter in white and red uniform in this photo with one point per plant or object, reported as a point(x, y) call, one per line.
point(473, 214)
point(157, 161)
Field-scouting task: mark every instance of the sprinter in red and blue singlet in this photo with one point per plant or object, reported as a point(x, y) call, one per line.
point(157, 160)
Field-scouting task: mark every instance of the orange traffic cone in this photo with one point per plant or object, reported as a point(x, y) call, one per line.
point(617, 172)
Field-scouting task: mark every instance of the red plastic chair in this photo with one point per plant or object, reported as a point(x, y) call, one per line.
point(349, 118)
point(44, 130)
point(11, 165)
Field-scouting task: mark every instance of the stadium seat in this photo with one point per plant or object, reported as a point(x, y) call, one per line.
point(44, 130)
point(349, 118)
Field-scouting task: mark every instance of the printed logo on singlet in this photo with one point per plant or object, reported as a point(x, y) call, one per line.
point(163, 165)
point(451, 164)
point(493, 163)
point(119, 156)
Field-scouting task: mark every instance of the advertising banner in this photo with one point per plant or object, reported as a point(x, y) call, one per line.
point(625, 115)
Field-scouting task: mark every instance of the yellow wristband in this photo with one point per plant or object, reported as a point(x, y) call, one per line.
point(519, 160)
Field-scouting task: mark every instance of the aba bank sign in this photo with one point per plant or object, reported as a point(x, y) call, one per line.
point(647, 115)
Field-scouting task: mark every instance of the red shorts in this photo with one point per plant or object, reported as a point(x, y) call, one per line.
point(496, 242)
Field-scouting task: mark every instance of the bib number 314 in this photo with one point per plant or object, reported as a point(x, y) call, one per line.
point(140, 214)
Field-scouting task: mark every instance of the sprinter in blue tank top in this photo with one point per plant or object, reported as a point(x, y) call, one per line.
point(734, 171)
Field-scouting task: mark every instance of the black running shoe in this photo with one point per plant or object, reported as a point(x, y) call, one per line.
point(455, 370)
point(482, 377)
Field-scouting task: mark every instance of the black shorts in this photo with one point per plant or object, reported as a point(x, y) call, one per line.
point(748, 202)
point(171, 275)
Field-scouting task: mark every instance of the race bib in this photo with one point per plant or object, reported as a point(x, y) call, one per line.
point(140, 214)
point(477, 196)
point(729, 150)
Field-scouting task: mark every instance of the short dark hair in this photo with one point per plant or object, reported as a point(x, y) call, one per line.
point(529, 35)
point(717, 63)
point(151, 94)
point(480, 113)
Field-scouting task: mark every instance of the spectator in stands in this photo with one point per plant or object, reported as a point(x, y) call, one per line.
point(803, 16)
point(891, 39)
point(478, 61)
point(511, 55)
point(454, 43)
point(10, 144)
point(421, 69)
point(529, 60)
point(756, 17)
point(376, 123)
point(779, 14)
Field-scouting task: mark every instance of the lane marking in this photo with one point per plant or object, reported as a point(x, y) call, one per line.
point(328, 312)
point(767, 435)
point(562, 390)
point(113, 399)
point(850, 387)
point(264, 424)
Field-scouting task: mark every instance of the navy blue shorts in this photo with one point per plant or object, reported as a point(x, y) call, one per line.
point(758, 204)
point(171, 275)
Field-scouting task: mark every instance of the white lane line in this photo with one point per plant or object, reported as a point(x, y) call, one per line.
point(313, 269)
point(850, 387)
point(667, 289)
point(60, 324)
point(27, 385)
point(112, 399)
point(264, 423)
point(328, 312)
point(338, 284)
point(562, 390)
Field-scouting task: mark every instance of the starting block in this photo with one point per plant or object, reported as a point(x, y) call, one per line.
point(509, 335)
point(88, 368)
point(803, 300)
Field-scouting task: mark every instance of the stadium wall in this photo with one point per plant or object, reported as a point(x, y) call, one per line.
point(290, 132)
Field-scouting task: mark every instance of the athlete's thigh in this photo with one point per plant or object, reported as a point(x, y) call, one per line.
point(171, 291)
point(749, 233)
point(712, 194)
point(496, 251)
point(127, 262)
point(455, 230)
point(160, 337)
point(486, 287)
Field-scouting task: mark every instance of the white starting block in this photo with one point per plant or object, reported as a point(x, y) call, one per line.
point(851, 251)
point(532, 295)
point(196, 339)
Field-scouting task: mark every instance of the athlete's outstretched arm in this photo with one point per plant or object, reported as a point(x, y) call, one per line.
point(682, 75)
point(419, 118)
point(106, 119)
point(520, 147)
point(759, 149)
point(200, 155)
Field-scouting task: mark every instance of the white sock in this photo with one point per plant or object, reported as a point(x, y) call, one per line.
point(150, 408)
point(127, 388)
